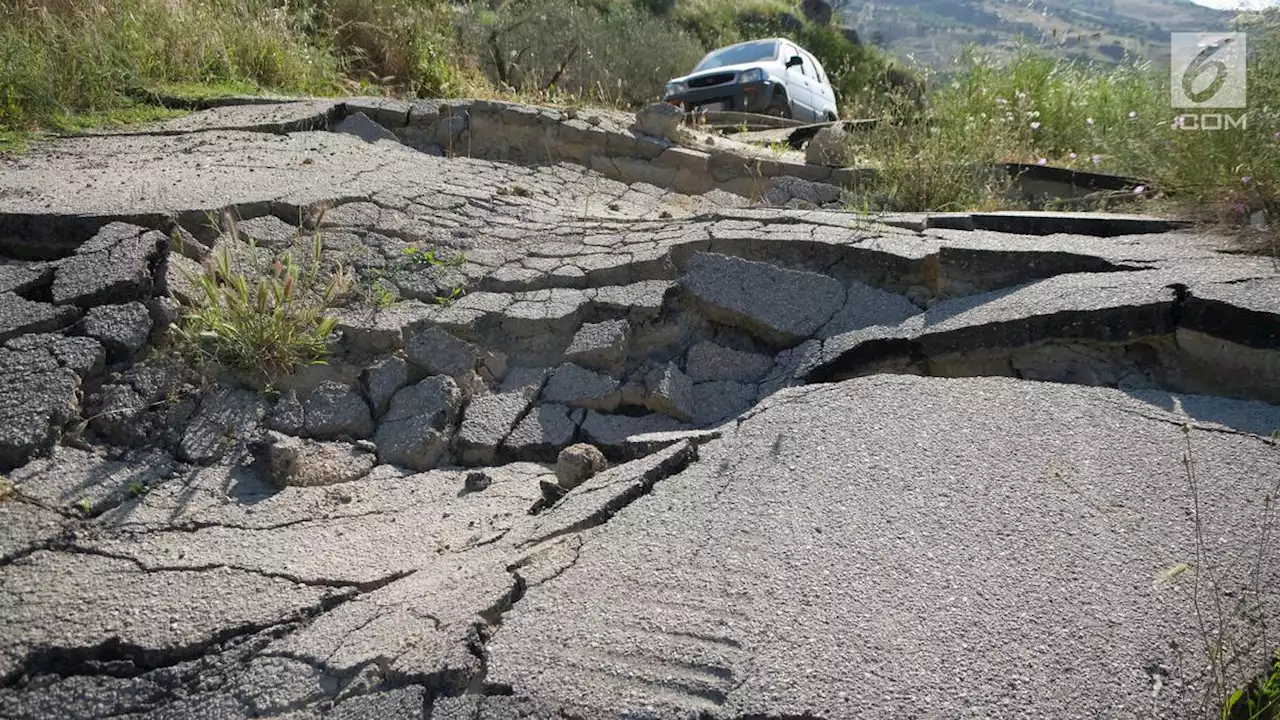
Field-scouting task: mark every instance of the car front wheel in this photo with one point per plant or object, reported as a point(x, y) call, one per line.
point(778, 107)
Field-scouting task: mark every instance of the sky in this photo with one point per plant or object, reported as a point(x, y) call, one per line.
point(1237, 4)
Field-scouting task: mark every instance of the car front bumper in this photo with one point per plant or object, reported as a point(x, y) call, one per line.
point(748, 97)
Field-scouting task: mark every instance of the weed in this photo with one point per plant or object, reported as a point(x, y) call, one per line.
point(1223, 613)
point(137, 489)
point(265, 328)
point(383, 293)
point(515, 191)
point(1260, 700)
point(419, 256)
point(448, 300)
point(85, 506)
point(6, 488)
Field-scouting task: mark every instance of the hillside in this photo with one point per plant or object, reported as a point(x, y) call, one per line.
point(934, 32)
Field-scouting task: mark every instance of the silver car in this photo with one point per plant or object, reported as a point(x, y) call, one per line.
point(775, 77)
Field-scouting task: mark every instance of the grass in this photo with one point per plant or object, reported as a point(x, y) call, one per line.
point(263, 327)
point(1035, 108)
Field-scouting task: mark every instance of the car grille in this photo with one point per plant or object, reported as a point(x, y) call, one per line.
point(710, 80)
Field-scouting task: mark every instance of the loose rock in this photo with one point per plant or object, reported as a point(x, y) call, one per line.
point(308, 463)
point(577, 463)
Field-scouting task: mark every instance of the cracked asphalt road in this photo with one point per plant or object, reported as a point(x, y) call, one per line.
point(899, 518)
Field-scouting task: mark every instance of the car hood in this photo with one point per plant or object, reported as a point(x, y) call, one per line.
point(728, 69)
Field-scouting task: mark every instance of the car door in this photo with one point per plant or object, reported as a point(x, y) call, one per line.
point(798, 84)
point(824, 97)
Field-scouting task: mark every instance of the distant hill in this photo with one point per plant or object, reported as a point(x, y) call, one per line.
point(934, 32)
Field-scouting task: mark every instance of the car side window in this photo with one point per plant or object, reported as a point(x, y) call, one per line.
point(818, 70)
point(787, 53)
point(805, 66)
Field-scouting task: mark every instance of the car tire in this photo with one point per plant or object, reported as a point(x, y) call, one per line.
point(778, 107)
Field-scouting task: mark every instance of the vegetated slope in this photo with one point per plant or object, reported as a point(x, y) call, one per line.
point(934, 32)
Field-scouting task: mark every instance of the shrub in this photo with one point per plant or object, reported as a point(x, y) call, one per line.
point(616, 55)
point(264, 329)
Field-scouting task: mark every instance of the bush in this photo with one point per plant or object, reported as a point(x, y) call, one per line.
point(1034, 108)
point(616, 55)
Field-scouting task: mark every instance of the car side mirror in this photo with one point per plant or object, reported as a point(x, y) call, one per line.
point(794, 61)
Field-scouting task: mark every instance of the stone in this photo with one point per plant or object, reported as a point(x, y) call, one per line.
point(416, 430)
point(708, 361)
point(288, 416)
point(830, 146)
point(780, 306)
point(334, 410)
point(476, 481)
point(122, 329)
point(224, 422)
point(578, 463)
point(382, 380)
point(299, 462)
point(20, 316)
point(670, 392)
point(487, 421)
point(800, 194)
point(660, 120)
point(361, 126)
point(117, 265)
point(579, 387)
point(541, 434)
point(437, 352)
point(719, 400)
point(40, 381)
point(600, 346)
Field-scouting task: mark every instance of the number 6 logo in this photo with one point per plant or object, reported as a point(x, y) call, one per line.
point(1201, 65)
point(1207, 70)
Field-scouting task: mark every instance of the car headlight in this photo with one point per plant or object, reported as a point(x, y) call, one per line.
point(754, 75)
point(676, 88)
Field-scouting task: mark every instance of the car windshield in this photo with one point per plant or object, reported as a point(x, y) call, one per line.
point(738, 54)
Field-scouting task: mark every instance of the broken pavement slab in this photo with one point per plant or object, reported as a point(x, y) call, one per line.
point(754, 551)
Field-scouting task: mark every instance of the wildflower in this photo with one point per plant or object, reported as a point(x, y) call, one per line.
point(1002, 101)
point(1133, 114)
point(1035, 126)
point(1276, 136)
point(1096, 159)
point(1139, 189)
point(1246, 179)
point(1239, 208)
point(1021, 96)
point(1088, 121)
point(1071, 156)
point(1042, 161)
